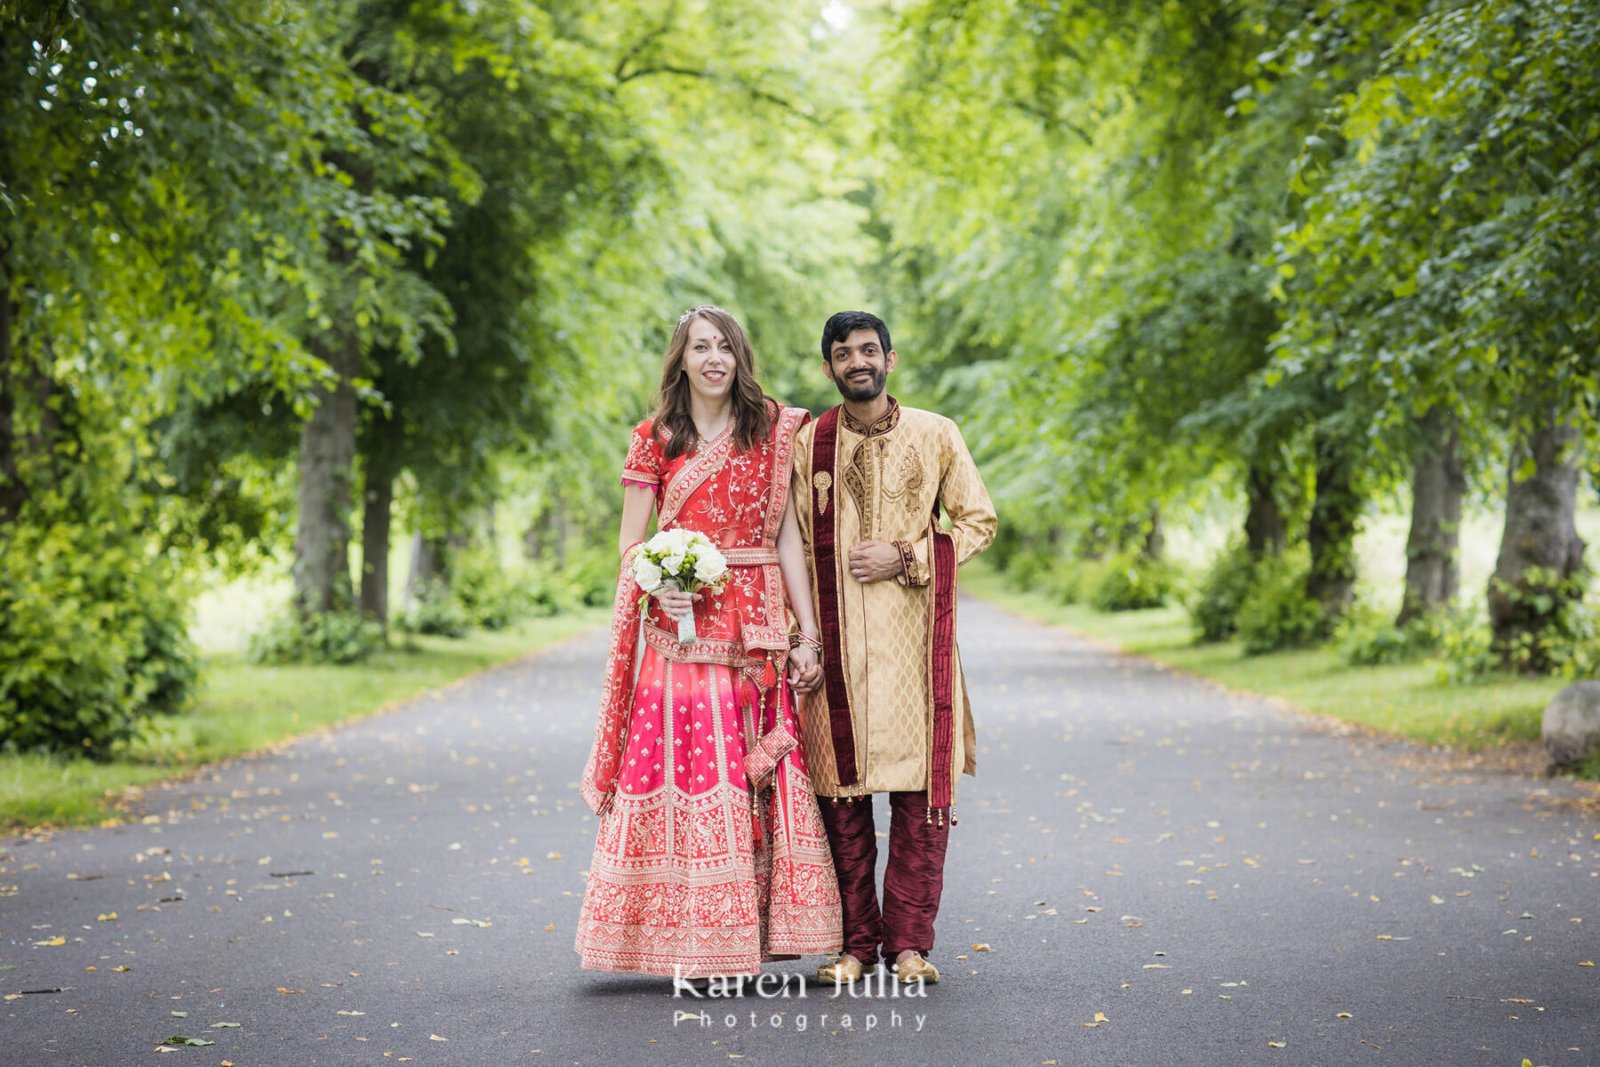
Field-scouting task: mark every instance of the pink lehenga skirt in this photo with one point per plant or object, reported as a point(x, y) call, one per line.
point(711, 856)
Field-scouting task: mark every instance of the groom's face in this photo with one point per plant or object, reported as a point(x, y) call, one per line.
point(859, 366)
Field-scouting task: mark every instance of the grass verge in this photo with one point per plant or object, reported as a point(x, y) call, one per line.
point(1407, 700)
point(243, 708)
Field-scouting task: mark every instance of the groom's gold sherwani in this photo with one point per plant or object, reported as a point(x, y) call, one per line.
point(888, 482)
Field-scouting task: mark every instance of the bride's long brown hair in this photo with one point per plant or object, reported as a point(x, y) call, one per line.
point(752, 409)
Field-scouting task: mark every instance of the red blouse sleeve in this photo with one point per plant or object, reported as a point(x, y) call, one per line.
point(645, 458)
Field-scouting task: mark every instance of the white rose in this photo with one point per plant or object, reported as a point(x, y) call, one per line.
point(647, 574)
point(672, 564)
point(710, 568)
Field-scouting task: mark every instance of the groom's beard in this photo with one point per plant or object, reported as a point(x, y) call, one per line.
point(859, 392)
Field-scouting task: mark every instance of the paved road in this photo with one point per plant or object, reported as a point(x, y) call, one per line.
point(1214, 880)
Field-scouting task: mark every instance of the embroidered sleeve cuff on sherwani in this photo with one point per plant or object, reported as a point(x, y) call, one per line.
point(913, 563)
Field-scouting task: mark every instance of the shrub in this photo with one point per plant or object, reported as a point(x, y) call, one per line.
point(489, 595)
point(1277, 613)
point(1466, 652)
point(1029, 568)
point(588, 579)
point(1563, 635)
point(1129, 582)
point(329, 637)
point(437, 612)
point(1367, 638)
point(1222, 593)
point(92, 637)
point(1066, 580)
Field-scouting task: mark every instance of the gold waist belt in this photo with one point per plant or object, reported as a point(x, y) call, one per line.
point(753, 556)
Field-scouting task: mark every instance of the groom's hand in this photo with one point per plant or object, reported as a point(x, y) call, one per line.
point(874, 561)
point(805, 675)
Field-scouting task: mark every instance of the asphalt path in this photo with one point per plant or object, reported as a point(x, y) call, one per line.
point(1148, 870)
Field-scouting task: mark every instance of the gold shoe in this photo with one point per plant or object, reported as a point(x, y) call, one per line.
point(841, 970)
point(914, 968)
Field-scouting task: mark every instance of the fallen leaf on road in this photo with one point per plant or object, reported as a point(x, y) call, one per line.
point(224, 1026)
point(181, 1040)
point(289, 992)
point(436, 1037)
point(106, 917)
point(981, 946)
point(550, 926)
point(471, 922)
point(1345, 1015)
point(552, 855)
point(350, 1013)
point(122, 968)
point(53, 942)
point(1277, 1044)
point(1587, 963)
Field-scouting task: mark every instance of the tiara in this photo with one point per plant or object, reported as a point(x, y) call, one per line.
point(687, 315)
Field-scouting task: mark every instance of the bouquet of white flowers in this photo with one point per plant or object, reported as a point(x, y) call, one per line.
point(679, 559)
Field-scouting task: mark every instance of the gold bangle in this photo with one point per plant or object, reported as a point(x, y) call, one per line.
point(797, 639)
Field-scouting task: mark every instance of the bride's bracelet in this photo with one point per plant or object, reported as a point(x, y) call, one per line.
point(796, 639)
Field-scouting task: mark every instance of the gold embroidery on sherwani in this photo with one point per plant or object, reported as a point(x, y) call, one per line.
point(858, 479)
point(906, 485)
point(823, 481)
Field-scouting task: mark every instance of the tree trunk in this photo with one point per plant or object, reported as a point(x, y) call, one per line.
point(12, 492)
point(427, 565)
point(1155, 536)
point(1540, 548)
point(1265, 529)
point(1332, 533)
point(378, 500)
point(327, 459)
point(1438, 484)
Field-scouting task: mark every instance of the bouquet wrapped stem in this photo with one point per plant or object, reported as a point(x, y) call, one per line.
point(686, 630)
point(683, 560)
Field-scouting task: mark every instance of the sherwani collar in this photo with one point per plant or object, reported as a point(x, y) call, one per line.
point(879, 426)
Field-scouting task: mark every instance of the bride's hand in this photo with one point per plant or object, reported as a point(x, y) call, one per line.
point(675, 603)
point(805, 669)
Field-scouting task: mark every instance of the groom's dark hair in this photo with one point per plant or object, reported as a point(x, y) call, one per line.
point(845, 323)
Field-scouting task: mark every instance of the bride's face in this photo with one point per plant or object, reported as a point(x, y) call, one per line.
point(708, 361)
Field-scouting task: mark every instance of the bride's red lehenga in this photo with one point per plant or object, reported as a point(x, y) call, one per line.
point(711, 855)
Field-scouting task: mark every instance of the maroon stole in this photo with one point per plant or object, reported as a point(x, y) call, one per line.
point(942, 674)
point(840, 725)
point(941, 627)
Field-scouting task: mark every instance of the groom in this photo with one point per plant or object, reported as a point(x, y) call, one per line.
point(891, 715)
